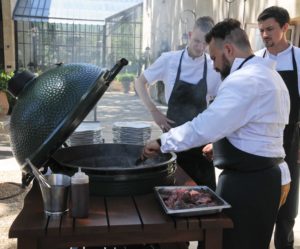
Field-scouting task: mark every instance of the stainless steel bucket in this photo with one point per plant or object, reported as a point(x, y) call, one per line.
point(56, 198)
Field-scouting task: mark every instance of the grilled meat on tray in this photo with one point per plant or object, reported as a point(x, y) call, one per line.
point(187, 198)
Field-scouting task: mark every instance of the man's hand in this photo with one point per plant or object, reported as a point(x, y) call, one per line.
point(207, 151)
point(161, 120)
point(151, 149)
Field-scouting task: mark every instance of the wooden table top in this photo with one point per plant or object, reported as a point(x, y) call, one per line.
point(112, 221)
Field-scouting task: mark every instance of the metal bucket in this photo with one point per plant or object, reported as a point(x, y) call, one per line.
point(56, 198)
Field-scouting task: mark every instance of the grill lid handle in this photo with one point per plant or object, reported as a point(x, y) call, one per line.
point(110, 75)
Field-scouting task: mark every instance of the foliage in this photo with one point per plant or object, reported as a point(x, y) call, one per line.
point(126, 77)
point(4, 78)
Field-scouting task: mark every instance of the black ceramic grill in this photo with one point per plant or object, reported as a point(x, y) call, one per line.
point(48, 110)
point(51, 106)
point(44, 105)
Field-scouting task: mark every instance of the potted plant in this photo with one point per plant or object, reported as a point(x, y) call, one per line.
point(126, 79)
point(6, 100)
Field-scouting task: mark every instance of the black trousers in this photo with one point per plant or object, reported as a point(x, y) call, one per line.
point(284, 235)
point(197, 167)
point(254, 197)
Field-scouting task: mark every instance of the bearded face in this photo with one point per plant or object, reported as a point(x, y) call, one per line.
point(221, 62)
point(226, 67)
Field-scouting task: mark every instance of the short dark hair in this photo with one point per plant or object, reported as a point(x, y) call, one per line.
point(280, 15)
point(205, 23)
point(229, 30)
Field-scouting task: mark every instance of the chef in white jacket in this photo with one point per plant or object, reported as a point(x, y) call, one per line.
point(245, 122)
point(189, 80)
point(273, 23)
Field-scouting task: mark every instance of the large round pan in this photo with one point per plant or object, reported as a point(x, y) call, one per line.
point(111, 159)
point(112, 169)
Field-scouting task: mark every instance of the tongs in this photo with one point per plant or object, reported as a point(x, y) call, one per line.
point(38, 175)
point(140, 160)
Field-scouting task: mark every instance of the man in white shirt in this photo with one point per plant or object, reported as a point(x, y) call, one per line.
point(245, 122)
point(189, 80)
point(273, 24)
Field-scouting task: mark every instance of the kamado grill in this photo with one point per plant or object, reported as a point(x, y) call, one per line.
point(48, 110)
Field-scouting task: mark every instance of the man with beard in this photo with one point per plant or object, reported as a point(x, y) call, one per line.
point(189, 80)
point(245, 122)
point(273, 24)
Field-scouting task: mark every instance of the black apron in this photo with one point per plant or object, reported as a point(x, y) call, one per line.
point(289, 211)
point(291, 141)
point(186, 102)
point(252, 185)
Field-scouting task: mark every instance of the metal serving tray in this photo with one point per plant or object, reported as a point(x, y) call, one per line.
point(201, 210)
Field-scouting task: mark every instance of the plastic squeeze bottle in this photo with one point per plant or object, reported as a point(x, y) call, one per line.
point(80, 195)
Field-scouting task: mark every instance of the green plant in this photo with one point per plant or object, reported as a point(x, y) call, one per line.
point(4, 78)
point(126, 77)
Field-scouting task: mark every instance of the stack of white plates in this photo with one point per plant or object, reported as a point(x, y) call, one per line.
point(86, 133)
point(134, 132)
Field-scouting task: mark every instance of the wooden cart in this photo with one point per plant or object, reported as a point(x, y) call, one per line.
point(115, 221)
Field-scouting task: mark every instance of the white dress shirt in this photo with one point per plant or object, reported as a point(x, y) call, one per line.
point(251, 109)
point(166, 66)
point(284, 59)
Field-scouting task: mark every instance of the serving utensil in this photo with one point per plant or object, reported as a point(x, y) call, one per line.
point(140, 160)
point(38, 175)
